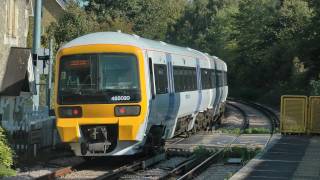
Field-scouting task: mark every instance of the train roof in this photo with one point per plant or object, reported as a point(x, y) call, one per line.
point(221, 65)
point(133, 40)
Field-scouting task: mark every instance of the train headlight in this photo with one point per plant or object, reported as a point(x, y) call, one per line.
point(127, 110)
point(70, 112)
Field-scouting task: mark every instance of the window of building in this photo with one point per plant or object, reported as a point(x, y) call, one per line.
point(161, 78)
point(12, 18)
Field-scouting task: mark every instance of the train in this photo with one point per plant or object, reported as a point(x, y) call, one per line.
point(118, 94)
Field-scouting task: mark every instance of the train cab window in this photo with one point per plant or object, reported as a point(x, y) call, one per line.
point(161, 78)
point(98, 79)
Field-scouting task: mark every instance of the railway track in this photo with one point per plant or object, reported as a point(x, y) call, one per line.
point(274, 121)
point(245, 121)
point(185, 166)
point(266, 111)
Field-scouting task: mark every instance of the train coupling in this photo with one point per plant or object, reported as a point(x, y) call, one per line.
point(98, 139)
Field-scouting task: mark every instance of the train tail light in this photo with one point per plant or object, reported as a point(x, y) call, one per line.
point(127, 110)
point(70, 112)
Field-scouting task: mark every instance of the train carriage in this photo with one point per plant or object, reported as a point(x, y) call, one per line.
point(118, 93)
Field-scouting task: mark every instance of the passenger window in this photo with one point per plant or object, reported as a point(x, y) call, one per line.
point(213, 78)
point(220, 78)
point(225, 78)
point(206, 79)
point(194, 77)
point(161, 79)
point(185, 78)
point(177, 79)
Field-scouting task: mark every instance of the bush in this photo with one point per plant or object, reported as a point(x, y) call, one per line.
point(6, 156)
point(315, 87)
point(5, 171)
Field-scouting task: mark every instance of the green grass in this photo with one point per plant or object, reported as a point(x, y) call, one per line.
point(201, 151)
point(257, 131)
point(241, 152)
point(246, 131)
point(230, 131)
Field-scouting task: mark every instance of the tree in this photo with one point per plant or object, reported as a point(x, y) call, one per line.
point(311, 42)
point(149, 18)
point(203, 25)
point(75, 22)
point(268, 34)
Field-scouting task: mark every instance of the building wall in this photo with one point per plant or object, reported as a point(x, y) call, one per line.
point(52, 10)
point(15, 35)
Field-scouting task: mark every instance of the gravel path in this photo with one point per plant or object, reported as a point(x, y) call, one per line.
point(43, 169)
point(85, 174)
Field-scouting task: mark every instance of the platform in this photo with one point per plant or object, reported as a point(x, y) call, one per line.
point(222, 140)
point(290, 157)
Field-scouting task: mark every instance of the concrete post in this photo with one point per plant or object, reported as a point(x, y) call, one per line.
point(35, 48)
point(37, 26)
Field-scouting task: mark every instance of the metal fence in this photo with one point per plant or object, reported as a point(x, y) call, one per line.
point(293, 114)
point(33, 128)
point(314, 114)
point(300, 114)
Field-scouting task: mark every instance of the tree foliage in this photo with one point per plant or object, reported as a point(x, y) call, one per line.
point(272, 47)
point(150, 18)
point(74, 23)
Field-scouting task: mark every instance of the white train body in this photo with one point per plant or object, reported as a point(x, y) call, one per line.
point(185, 90)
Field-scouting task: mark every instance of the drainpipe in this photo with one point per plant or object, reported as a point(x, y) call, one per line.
point(35, 48)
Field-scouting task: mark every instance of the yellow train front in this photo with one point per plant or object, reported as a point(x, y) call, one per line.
point(116, 94)
point(100, 99)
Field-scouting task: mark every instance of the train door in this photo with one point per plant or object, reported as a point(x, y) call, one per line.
point(214, 85)
point(160, 67)
point(218, 89)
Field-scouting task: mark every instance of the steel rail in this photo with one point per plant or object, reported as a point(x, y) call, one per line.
point(267, 112)
point(274, 119)
point(245, 122)
point(215, 156)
